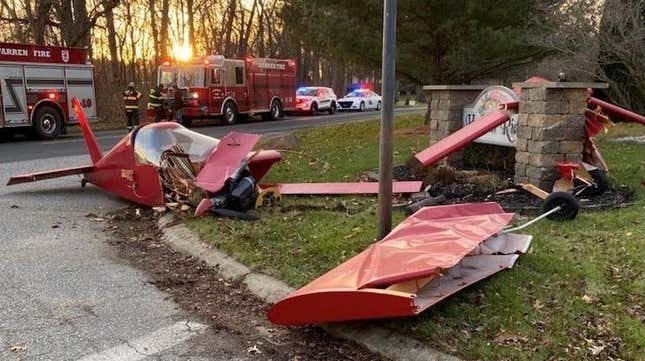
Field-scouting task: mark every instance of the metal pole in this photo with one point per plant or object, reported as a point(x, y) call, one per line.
point(385, 143)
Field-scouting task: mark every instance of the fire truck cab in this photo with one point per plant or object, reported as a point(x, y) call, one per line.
point(37, 84)
point(218, 87)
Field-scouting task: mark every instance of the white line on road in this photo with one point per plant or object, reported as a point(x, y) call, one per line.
point(150, 344)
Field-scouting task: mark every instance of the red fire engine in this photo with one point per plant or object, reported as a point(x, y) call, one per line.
point(38, 84)
point(215, 86)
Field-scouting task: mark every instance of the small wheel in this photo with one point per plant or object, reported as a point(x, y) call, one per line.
point(47, 123)
point(361, 107)
point(230, 113)
point(601, 185)
point(314, 108)
point(378, 106)
point(332, 108)
point(568, 204)
point(83, 182)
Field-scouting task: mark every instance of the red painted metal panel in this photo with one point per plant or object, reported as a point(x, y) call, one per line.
point(42, 54)
point(343, 188)
point(34, 177)
point(112, 175)
point(462, 137)
point(433, 239)
point(261, 162)
point(616, 110)
point(90, 140)
point(225, 160)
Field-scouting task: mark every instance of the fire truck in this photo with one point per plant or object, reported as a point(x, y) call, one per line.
point(37, 87)
point(214, 86)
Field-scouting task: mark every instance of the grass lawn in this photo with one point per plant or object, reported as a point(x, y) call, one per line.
point(577, 295)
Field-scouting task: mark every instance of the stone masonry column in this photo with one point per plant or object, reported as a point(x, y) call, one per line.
point(446, 110)
point(551, 129)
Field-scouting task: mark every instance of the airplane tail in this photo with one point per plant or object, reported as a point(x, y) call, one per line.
point(90, 140)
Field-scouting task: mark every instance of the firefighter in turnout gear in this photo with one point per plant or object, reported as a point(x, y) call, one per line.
point(131, 98)
point(155, 102)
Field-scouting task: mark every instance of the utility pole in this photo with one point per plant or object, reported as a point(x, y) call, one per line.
point(388, 71)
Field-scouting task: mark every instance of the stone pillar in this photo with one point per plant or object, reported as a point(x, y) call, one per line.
point(446, 110)
point(551, 129)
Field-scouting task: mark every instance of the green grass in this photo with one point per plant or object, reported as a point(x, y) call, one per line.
point(580, 287)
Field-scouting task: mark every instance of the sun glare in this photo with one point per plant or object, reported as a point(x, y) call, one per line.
point(182, 52)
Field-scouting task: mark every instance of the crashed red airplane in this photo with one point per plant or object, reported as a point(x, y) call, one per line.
point(161, 158)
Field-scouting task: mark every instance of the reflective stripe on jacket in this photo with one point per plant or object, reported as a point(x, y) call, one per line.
point(131, 98)
point(155, 98)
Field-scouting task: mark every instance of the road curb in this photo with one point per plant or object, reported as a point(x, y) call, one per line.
point(379, 340)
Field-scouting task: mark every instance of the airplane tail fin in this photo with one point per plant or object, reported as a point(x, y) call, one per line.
point(90, 140)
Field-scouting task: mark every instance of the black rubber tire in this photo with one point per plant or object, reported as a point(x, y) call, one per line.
point(361, 107)
point(6, 135)
point(314, 108)
point(230, 118)
point(567, 201)
point(275, 111)
point(333, 108)
point(47, 123)
point(378, 106)
point(601, 180)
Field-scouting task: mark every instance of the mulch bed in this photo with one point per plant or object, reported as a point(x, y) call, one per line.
point(200, 290)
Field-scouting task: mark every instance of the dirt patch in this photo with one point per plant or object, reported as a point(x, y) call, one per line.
point(520, 201)
point(200, 290)
point(288, 141)
point(414, 131)
point(463, 186)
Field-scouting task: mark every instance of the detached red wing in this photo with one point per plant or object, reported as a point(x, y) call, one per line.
point(430, 240)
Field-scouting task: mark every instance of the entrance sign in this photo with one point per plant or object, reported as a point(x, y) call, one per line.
point(489, 100)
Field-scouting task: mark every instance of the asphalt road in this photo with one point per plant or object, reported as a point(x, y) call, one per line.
point(20, 150)
point(65, 295)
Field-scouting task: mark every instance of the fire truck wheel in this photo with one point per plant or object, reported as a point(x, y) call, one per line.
point(332, 108)
point(47, 123)
point(275, 112)
point(6, 135)
point(361, 107)
point(568, 204)
point(230, 113)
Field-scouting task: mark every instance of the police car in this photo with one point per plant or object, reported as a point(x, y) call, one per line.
point(314, 99)
point(360, 100)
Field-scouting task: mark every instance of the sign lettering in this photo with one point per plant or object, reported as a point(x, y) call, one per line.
point(505, 134)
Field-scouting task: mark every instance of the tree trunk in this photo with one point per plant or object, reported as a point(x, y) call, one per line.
point(154, 29)
point(114, 55)
point(191, 23)
point(163, 36)
point(228, 29)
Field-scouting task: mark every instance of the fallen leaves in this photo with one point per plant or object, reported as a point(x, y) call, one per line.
point(18, 348)
point(538, 305)
point(505, 338)
point(253, 350)
point(587, 299)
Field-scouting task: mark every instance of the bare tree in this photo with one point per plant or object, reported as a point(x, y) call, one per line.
point(603, 43)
